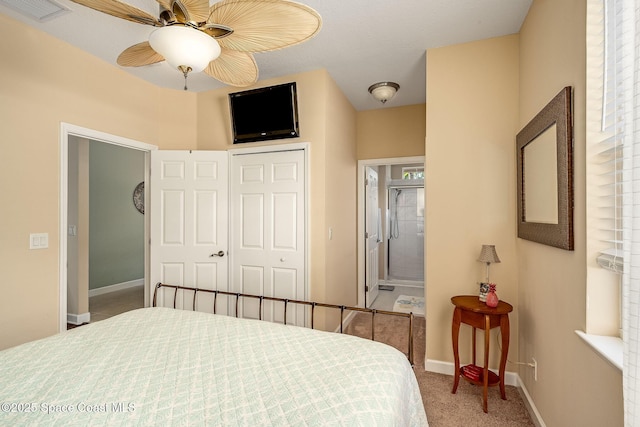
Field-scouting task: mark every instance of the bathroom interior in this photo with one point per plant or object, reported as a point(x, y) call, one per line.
point(401, 207)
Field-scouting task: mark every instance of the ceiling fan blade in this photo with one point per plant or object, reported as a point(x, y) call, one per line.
point(198, 10)
point(187, 10)
point(121, 10)
point(234, 68)
point(138, 55)
point(264, 25)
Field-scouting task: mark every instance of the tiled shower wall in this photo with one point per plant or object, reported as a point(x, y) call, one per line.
point(406, 251)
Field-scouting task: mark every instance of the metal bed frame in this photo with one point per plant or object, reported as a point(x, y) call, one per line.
point(286, 302)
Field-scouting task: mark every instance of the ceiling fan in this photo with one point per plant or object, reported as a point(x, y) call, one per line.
point(219, 39)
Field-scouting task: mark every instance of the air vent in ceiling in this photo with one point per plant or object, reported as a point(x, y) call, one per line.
point(40, 10)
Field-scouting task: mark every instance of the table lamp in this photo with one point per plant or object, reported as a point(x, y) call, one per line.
point(487, 255)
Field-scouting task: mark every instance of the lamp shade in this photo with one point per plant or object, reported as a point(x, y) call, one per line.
point(488, 254)
point(384, 91)
point(184, 46)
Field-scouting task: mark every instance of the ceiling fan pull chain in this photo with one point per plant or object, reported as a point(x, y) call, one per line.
point(185, 71)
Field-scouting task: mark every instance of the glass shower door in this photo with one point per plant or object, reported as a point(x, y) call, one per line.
point(406, 234)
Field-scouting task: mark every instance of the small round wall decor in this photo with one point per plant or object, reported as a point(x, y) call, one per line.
point(138, 197)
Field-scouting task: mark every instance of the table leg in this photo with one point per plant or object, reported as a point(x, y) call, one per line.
point(504, 331)
point(455, 330)
point(473, 344)
point(487, 339)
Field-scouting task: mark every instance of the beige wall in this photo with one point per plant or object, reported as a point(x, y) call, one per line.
point(56, 83)
point(46, 82)
point(78, 214)
point(340, 181)
point(391, 132)
point(575, 386)
point(472, 98)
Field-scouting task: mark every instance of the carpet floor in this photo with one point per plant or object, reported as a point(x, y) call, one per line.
point(443, 408)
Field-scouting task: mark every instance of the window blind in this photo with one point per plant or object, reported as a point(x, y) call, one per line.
point(626, 126)
point(603, 61)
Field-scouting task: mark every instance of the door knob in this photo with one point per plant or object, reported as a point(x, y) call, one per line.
point(283, 259)
point(220, 254)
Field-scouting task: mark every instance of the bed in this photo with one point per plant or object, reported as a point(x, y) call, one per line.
point(165, 366)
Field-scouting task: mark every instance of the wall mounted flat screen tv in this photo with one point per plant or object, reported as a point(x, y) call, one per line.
point(265, 113)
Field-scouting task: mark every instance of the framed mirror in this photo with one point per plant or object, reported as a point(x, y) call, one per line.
point(545, 175)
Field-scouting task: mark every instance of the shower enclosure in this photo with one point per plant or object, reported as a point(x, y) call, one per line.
point(405, 255)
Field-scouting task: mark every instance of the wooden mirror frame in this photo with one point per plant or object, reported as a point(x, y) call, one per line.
point(557, 112)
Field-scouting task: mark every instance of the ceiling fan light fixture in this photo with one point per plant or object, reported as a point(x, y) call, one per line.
point(384, 91)
point(184, 46)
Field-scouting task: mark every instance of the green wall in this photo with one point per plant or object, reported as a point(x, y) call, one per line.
point(116, 228)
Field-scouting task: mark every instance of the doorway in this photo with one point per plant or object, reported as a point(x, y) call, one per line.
point(399, 267)
point(70, 223)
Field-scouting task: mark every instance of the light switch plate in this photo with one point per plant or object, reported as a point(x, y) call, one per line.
point(38, 240)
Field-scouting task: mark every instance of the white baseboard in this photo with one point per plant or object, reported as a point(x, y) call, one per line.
point(438, 367)
point(510, 378)
point(531, 407)
point(116, 287)
point(78, 319)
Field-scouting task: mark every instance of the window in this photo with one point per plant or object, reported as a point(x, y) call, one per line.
point(613, 30)
point(609, 143)
point(621, 114)
point(413, 173)
point(604, 175)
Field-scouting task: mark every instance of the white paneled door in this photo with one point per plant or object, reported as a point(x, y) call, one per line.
point(268, 239)
point(372, 236)
point(189, 222)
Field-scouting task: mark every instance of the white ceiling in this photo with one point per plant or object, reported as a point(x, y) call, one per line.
point(361, 41)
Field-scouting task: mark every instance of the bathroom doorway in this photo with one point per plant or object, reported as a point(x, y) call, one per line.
point(400, 230)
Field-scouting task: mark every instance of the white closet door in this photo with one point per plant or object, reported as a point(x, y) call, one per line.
point(268, 238)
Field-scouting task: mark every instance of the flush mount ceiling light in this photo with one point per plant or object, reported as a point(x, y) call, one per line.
point(220, 39)
point(384, 91)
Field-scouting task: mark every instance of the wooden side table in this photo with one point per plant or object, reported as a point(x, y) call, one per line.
point(471, 311)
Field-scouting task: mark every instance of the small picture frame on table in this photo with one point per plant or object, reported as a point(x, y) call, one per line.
point(484, 290)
